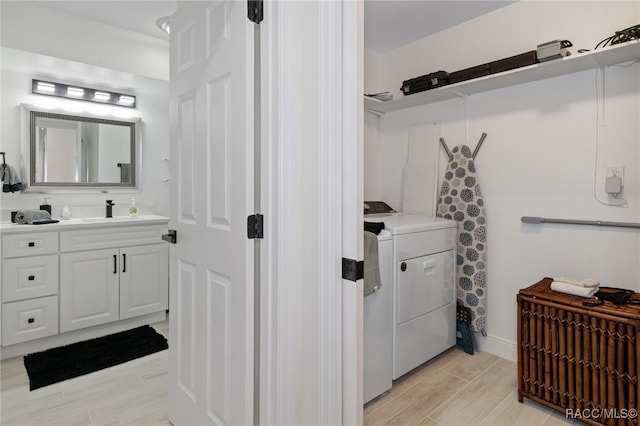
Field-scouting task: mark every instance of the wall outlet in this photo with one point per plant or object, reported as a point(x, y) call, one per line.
point(617, 171)
point(614, 180)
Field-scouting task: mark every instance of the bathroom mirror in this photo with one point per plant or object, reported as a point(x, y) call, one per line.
point(81, 151)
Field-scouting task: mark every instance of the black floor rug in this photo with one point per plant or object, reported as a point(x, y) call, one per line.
point(66, 362)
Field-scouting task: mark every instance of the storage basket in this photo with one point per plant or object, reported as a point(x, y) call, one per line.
point(580, 361)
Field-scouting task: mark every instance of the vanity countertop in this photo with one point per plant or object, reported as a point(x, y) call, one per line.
point(84, 223)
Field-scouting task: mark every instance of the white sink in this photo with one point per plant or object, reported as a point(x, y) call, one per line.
point(107, 219)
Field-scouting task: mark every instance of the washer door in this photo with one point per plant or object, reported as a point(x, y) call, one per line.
point(424, 284)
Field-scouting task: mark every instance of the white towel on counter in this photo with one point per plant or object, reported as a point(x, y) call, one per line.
point(575, 290)
point(587, 282)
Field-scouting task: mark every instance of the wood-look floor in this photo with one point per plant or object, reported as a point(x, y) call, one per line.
point(453, 389)
point(459, 389)
point(133, 393)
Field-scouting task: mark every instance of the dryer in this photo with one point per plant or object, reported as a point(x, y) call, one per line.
point(424, 305)
point(377, 325)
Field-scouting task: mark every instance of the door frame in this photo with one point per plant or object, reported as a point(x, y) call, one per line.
point(324, 386)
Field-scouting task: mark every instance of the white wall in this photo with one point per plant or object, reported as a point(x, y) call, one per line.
point(544, 147)
point(508, 31)
point(43, 30)
point(19, 67)
point(38, 42)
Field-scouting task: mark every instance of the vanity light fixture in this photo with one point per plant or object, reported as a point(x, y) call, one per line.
point(76, 92)
point(46, 87)
point(82, 93)
point(102, 96)
point(126, 100)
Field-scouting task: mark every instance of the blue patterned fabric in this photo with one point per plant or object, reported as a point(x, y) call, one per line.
point(461, 200)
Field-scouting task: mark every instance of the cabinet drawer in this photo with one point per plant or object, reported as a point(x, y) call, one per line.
point(29, 320)
point(31, 244)
point(112, 237)
point(29, 277)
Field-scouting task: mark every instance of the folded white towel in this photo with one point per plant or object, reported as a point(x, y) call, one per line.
point(575, 290)
point(587, 282)
point(27, 217)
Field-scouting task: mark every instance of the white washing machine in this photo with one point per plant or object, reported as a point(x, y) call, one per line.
point(378, 330)
point(424, 305)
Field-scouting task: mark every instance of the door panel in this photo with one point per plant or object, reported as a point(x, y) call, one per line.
point(89, 285)
point(423, 285)
point(211, 266)
point(143, 280)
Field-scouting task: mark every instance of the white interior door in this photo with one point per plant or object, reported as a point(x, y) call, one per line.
point(212, 264)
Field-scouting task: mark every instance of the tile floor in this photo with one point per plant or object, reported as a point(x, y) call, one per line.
point(459, 389)
point(134, 393)
point(453, 389)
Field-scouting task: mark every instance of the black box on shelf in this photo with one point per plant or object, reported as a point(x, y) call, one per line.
point(506, 64)
point(425, 82)
point(469, 73)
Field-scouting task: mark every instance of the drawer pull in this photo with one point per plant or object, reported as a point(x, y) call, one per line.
point(403, 266)
point(31, 320)
point(32, 277)
point(31, 244)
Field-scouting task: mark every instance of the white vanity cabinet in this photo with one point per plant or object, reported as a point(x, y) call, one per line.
point(110, 274)
point(80, 279)
point(29, 286)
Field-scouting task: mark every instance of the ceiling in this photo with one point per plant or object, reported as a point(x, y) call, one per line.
point(394, 23)
point(137, 15)
point(388, 24)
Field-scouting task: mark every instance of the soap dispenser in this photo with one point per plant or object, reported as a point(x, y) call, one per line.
point(133, 210)
point(65, 213)
point(46, 206)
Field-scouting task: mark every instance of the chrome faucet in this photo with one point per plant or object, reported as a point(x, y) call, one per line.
point(109, 208)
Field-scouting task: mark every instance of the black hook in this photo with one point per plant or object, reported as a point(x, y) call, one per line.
point(4, 166)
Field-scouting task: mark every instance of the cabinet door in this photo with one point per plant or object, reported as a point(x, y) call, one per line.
point(88, 288)
point(144, 280)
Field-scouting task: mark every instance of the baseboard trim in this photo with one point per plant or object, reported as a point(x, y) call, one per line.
point(497, 346)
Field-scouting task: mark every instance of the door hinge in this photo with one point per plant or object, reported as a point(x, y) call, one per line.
point(255, 10)
point(352, 270)
point(255, 226)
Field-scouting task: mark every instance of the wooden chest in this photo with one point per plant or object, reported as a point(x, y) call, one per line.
point(580, 361)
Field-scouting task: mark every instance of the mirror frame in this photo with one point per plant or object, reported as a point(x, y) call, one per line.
point(29, 115)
